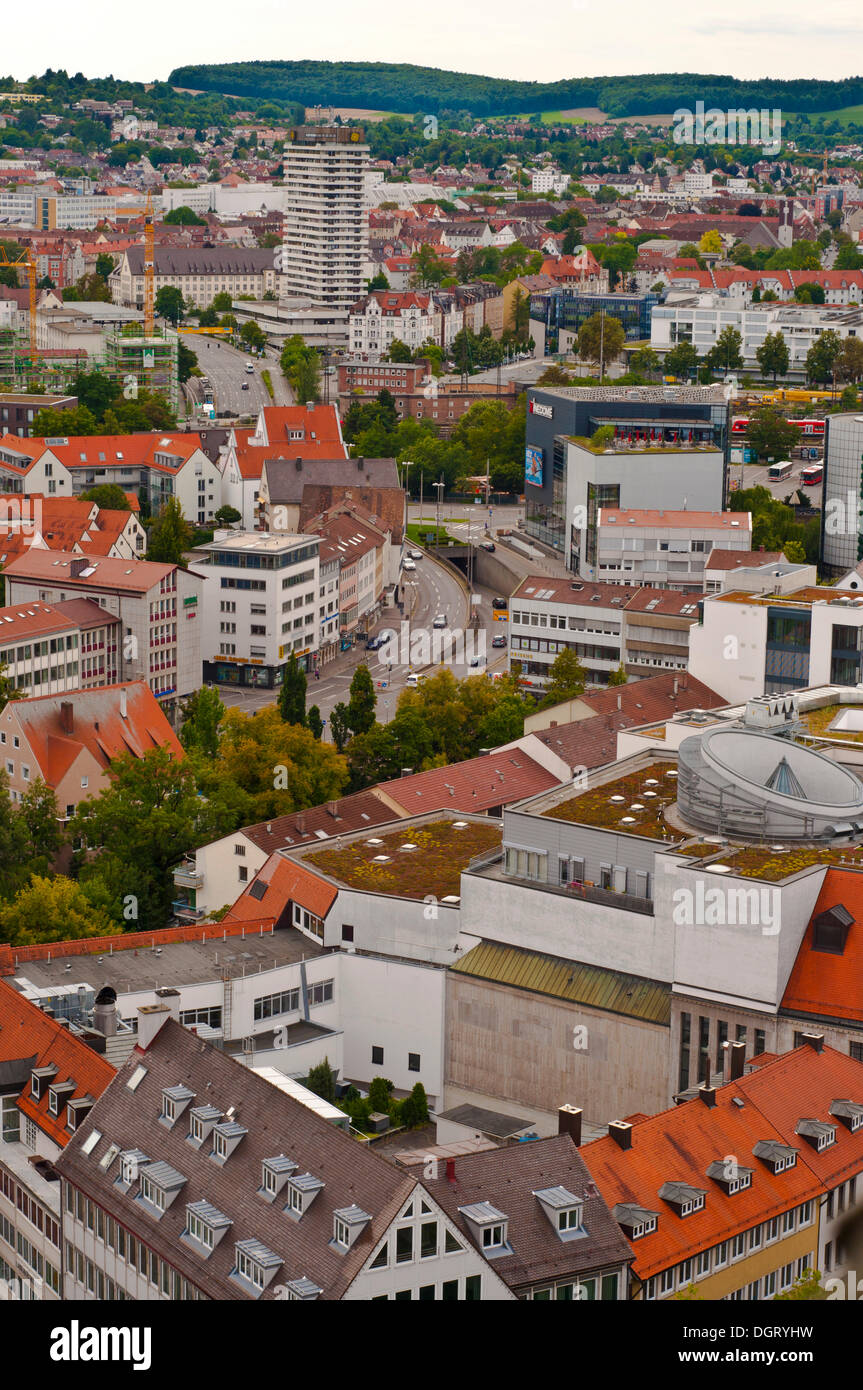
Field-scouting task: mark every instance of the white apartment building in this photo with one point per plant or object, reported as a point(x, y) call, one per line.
point(46, 649)
point(750, 644)
point(548, 616)
point(326, 229)
point(261, 603)
point(225, 199)
point(162, 466)
point(699, 319)
point(81, 210)
point(27, 466)
point(158, 606)
point(549, 181)
point(378, 319)
point(663, 549)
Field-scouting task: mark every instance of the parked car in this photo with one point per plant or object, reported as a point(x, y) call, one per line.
point(499, 603)
point(373, 643)
point(498, 641)
point(440, 620)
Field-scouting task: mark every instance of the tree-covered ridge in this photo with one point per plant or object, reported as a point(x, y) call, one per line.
point(407, 88)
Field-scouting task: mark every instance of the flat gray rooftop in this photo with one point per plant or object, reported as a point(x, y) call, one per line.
point(184, 963)
point(492, 1122)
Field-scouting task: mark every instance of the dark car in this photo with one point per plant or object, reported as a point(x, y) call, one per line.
point(499, 603)
point(245, 386)
point(498, 641)
point(486, 545)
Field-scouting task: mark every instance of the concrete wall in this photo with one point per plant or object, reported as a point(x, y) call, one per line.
point(568, 927)
point(396, 1006)
point(541, 1052)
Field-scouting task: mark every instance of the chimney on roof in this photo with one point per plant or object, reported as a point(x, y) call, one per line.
point(733, 1060)
point(123, 713)
point(333, 808)
point(105, 1012)
point(301, 824)
point(708, 1095)
point(815, 1041)
point(450, 1170)
point(569, 1122)
point(76, 567)
point(151, 1018)
point(620, 702)
point(621, 1133)
point(171, 1000)
point(299, 464)
point(360, 463)
point(67, 723)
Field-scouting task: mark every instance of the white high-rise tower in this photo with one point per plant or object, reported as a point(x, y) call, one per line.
point(325, 242)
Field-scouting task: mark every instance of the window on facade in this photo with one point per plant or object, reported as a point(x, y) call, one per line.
point(428, 1239)
point(377, 1056)
point(413, 1061)
point(404, 1245)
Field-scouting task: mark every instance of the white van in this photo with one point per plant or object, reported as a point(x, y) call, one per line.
point(250, 366)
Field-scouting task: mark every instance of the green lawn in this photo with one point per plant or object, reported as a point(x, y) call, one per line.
point(417, 532)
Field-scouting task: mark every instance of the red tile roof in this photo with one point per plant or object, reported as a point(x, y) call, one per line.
point(97, 726)
point(479, 784)
point(735, 559)
point(677, 1145)
point(27, 1033)
point(130, 576)
point(824, 985)
point(279, 883)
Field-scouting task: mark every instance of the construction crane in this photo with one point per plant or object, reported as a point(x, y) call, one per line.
point(25, 259)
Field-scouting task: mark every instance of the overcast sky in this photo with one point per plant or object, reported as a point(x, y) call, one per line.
point(501, 38)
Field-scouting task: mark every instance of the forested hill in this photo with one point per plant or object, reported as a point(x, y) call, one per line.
point(405, 88)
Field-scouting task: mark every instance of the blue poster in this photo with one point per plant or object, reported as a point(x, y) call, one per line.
point(533, 465)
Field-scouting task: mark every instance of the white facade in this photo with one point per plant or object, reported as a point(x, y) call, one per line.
point(739, 650)
point(326, 223)
point(540, 628)
point(261, 597)
point(667, 550)
point(701, 320)
point(376, 322)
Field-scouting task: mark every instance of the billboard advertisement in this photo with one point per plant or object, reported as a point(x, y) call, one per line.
point(533, 465)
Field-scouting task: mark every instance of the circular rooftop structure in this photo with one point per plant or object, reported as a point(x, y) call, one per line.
point(734, 781)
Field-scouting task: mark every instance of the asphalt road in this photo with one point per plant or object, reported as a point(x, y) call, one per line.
point(755, 475)
point(430, 589)
point(225, 367)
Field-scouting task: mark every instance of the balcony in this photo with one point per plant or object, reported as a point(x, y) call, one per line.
point(186, 913)
point(187, 876)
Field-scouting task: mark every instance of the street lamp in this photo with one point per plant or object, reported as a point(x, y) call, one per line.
point(406, 463)
point(439, 487)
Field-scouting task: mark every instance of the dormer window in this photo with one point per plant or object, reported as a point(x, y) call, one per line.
point(256, 1266)
point(564, 1210)
point(274, 1174)
point(730, 1176)
point(635, 1221)
point(58, 1094)
point(131, 1163)
point(348, 1224)
point(201, 1122)
point(488, 1226)
point(39, 1079)
point(226, 1137)
point(175, 1100)
point(205, 1227)
point(304, 1188)
point(818, 1133)
point(160, 1185)
point(778, 1157)
point(685, 1199)
point(849, 1113)
point(302, 1289)
point(77, 1111)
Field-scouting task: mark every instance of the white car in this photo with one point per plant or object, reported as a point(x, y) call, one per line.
point(408, 565)
point(415, 554)
point(440, 620)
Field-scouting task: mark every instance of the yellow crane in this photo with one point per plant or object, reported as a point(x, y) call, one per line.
point(25, 259)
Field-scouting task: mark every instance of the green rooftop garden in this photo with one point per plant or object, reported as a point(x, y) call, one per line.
point(643, 795)
point(432, 867)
